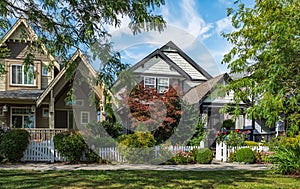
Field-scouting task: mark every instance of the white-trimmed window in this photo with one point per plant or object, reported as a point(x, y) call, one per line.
point(85, 117)
point(45, 71)
point(45, 112)
point(18, 77)
point(22, 117)
point(149, 82)
point(1, 111)
point(160, 83)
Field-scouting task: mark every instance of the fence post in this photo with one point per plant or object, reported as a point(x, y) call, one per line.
point(224, 152)
point(218, 151)
point(52, 151)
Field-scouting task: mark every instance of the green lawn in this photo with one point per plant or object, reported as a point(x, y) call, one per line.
point(145, 179)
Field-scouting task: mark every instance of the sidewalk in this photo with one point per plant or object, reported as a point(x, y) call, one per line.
point(190, 167)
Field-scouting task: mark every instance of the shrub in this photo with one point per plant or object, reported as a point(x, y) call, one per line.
point(232, 156)
point(13, 144)
point(266, 157)
point(287, 155)
point(245, 155)
point(137, 147)
point(203, 155)
point(257, 157)
point(71, 145)
point(182, 157)
point(250, 143)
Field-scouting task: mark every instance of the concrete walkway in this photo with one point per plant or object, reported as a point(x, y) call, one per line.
point(191, 167)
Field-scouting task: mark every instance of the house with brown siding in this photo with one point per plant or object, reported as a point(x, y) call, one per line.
point(36, 99)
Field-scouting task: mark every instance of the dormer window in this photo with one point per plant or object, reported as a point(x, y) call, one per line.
point(160, 83)
point(19, 77)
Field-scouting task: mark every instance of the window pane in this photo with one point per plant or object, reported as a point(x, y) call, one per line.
point(17, 121)
point(29, 76)
point(28, 121)
point(149, 82)
point(45, 71)
point(163, 81)
point(19, 75)
point(163, 85)
point(84, 117)
point(16, 74)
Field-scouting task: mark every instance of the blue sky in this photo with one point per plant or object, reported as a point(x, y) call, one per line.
point(193, 25)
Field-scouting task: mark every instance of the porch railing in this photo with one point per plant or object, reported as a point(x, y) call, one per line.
point(41, 134)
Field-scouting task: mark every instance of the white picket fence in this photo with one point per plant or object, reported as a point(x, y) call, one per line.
point(223, 151)
point(44, 151)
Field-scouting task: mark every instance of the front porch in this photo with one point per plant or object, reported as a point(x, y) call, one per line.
point(43, 134)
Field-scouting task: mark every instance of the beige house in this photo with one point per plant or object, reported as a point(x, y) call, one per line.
point(36, 99)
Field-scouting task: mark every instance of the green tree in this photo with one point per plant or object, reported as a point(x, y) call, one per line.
point(67, 24)
point(265, 54)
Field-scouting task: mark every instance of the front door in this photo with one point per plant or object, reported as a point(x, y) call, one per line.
point(64, 119)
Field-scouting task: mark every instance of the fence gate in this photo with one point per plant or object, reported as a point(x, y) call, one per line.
point(40, 151)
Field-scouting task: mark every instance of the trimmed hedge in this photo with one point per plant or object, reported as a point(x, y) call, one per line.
point(245, 155)
point(250, 143)
point(203, 155)
point(13, 143)
point(71, 145)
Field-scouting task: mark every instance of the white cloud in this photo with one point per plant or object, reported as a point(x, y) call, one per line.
point(225, 2)
point(224, 25)
point(185, 27)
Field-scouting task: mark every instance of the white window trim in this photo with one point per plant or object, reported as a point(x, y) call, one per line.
point(156, 82)
point(44, 112)
point(11, 122)
point(88, 114)
point(149, 84)
point(22, 84)
point(158, 85)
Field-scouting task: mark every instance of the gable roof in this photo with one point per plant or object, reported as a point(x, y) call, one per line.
point(198, 93)
point(180, 61)
point(32, 36)
point(77, 54)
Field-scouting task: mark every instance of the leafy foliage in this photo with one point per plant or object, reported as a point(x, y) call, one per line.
point(245, 155)
point(250, 143)
point(13, 143)
point(137, 147)
point(182, 157)
point(146, 109)
point(203, 155)
point(71, 145)
point(265, 57)
point(232, 138)
point(199, 134)
point(287, 155)
point(67, 25)
point(229, 123)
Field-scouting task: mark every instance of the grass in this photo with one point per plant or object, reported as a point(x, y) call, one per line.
point(144, 179)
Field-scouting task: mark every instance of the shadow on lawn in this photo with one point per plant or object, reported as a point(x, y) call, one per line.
point(142, 179)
